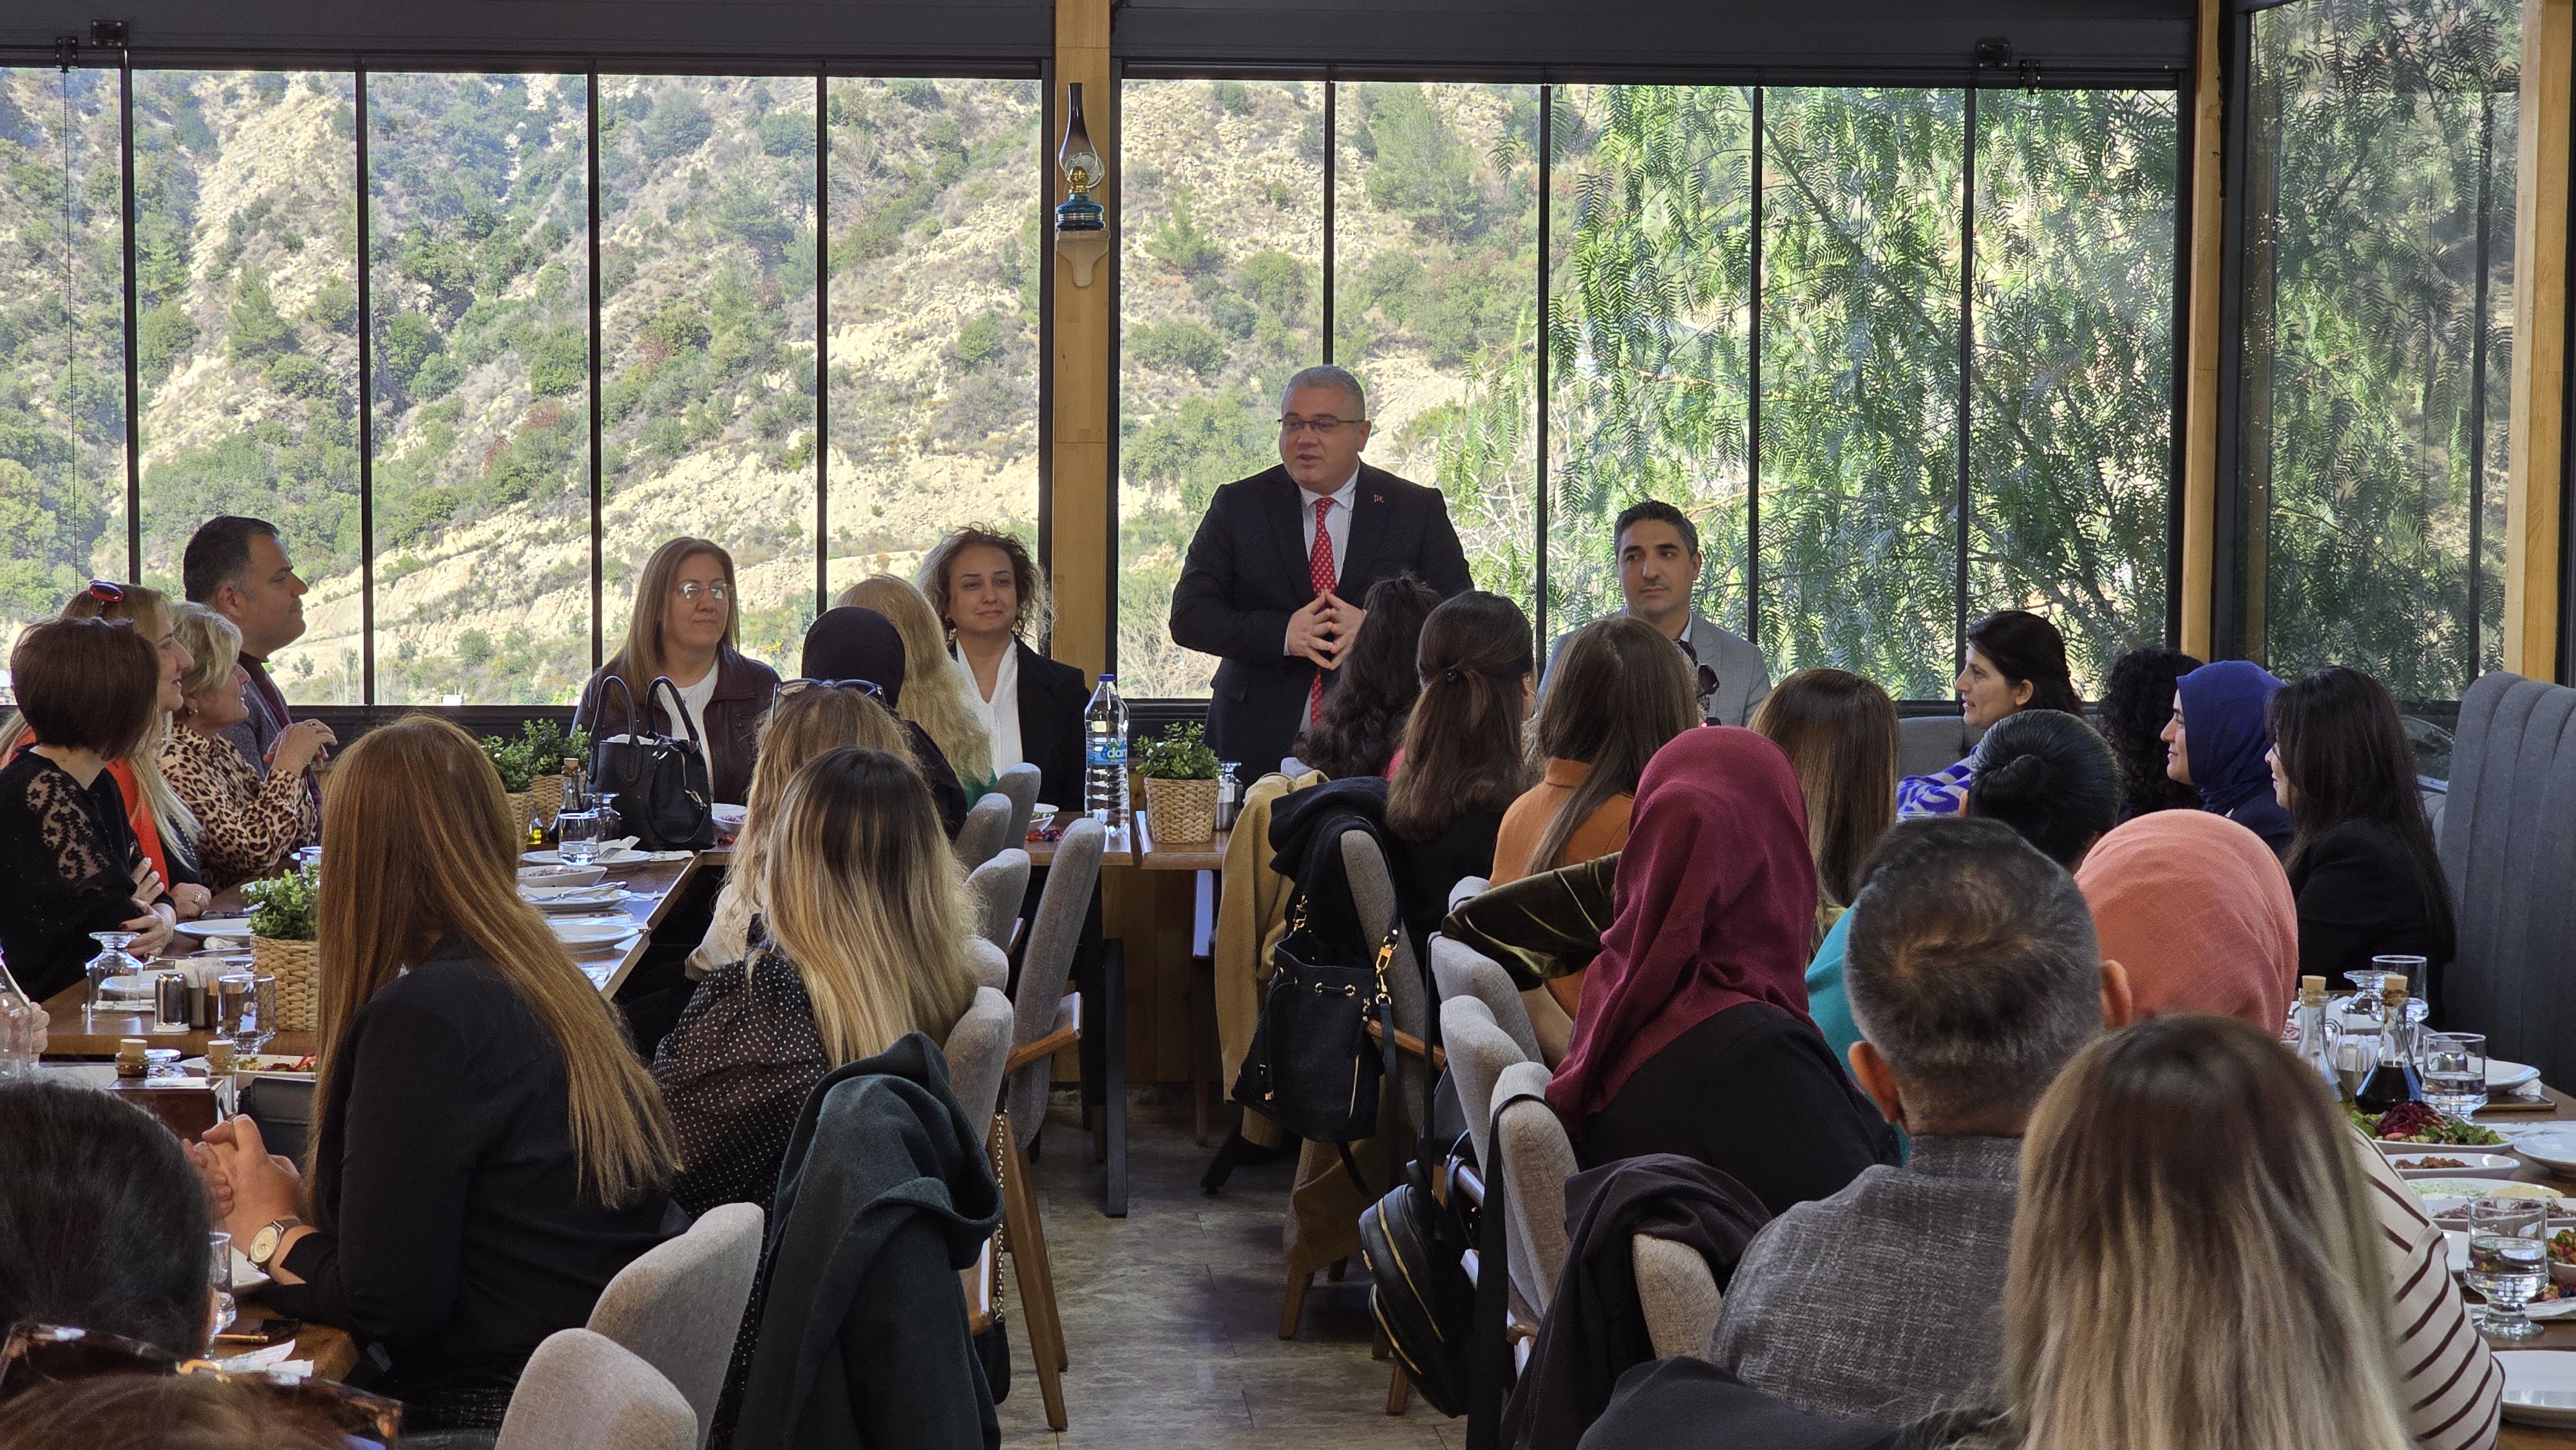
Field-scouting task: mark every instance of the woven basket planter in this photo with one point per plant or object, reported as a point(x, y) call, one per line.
point(540, 803)
point(297, 966)
point(1182, 811)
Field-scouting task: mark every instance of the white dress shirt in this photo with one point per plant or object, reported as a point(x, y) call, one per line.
point(1000, 714)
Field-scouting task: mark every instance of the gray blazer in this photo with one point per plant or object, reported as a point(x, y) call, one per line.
point(1743, 676)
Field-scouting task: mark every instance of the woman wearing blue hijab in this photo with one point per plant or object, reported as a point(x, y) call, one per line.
point(2216, 742)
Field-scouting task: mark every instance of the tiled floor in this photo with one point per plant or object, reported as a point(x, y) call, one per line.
point(1171, 1315)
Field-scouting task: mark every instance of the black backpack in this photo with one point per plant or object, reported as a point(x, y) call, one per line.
point(1416, 1249)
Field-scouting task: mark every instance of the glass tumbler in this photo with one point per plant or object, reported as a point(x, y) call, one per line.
point(2508, 1262)
point(2455, 1072)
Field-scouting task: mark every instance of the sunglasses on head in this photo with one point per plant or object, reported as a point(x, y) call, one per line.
point(105, 592)
point(36, 1355)
point(786, 688)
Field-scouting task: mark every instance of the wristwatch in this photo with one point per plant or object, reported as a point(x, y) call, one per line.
point(263, 1244)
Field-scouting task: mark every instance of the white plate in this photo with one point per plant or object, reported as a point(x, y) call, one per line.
point(594, 933)
point(607, 860)
point(729, 817)
point(2539, 1386)
point(268, 1064)
point(576, 901)
point(560, 877)
point(216, 926)
point(2481, 1165)
point(2554, 1145)
point(2502, 1075)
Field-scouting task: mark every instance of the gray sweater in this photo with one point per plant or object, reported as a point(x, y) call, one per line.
point(1885, 1301)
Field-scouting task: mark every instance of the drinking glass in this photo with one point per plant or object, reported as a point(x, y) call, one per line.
point(259, 1021)
point(2411, 968)
point(2455, 1072)
point(111, 962)
point(219, 1276)
point(2508, 1262)
point(235, 1017)
point(577, 831)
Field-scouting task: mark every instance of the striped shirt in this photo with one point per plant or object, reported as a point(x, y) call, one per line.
point(1942, 793)
point(2448, 1382)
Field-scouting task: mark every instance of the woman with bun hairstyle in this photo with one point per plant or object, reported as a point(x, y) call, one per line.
point(2016, 661)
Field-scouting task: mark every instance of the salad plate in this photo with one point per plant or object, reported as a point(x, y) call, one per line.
point(216, 926)
point(2539, 1386)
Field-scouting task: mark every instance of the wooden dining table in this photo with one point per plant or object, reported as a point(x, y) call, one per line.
point(2557, 1334)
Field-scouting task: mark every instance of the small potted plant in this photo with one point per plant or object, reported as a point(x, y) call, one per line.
point(531, 770)
point(285, 919)
point(1180, 784)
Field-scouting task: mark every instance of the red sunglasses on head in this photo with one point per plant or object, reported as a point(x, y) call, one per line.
point(106, 593)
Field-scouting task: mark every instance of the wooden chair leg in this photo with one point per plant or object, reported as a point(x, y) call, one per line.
point(1037, 1293)
point(1398, 1392)
point(1292, 1307)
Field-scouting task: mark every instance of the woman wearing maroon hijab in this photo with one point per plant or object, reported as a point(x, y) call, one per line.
point(1693, 1035)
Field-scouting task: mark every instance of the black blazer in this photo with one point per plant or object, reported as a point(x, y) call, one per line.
point(2358, 899)
point(1246, 573)
point(1052, 698)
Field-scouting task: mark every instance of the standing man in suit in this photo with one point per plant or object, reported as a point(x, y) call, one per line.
point(1659, 573)
point(1280, 556)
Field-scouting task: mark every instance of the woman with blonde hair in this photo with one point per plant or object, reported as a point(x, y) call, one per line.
point(933, 695)
point(247, 826)
point(687, 624)
point(810, 718)
point(2193, 1265)
point(162, 823)
point(460, 1226)
point(868, 934)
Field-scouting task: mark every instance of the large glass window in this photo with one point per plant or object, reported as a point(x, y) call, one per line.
point(246, 275)
point(1755, 301)
point(62, 368)
point(479, 236)
point(2378, 329)
point(1221, 270)
point(937, 246)
point(706, 247)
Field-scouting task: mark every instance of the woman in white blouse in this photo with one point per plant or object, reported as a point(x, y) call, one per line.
point(992, 596)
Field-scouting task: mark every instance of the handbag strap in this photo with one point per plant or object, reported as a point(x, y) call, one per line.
point(599, 745)
point(679, 708)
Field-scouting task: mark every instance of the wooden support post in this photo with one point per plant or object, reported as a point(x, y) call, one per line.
point(2205, 279)
point(2534, 486)
point(1083, 358)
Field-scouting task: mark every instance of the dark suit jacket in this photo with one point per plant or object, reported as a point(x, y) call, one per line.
point(2359, 898)
point(1052, 698)
point(1246, 573)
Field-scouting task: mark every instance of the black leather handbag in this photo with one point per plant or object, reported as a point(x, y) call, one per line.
point(1310, 1066)
point(659, 786)
point(1416, 1247)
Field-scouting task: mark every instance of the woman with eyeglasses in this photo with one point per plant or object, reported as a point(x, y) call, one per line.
point(686, 625)
point(861, 649)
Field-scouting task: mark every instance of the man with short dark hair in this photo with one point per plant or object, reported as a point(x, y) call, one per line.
point(1659, 568)
point(237, 567)
point(1271, 575)
point(1974, 977)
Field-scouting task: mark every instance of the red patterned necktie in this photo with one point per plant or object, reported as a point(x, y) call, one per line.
point(1319, 572)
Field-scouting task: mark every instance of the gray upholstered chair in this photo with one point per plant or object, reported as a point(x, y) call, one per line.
point(1468, 886)
point(679, 1307)
point(584, 1391)
point(1459, 970)
point(1929, 744)
point(1047, 964)
point(1537, 1158)
point(992, 965)
point(987, 830)
point(1478, 1052)
point(1020, 783)
point(2508, 847)
point(977, 1048)
point(997, 888)
point(1678, 1294)
point(978, 1052)
point(1373, 897)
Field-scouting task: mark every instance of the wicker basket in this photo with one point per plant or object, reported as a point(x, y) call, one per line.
point(1182, 811)
point(540, 803)
point(297, 965)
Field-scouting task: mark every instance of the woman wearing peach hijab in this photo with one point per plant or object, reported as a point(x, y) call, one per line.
point(2197, 909)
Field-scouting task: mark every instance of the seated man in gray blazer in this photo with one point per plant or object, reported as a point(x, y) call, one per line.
point(1659, 574)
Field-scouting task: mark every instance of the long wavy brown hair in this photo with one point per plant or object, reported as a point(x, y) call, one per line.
point(1462, 747)
point(1619, 692)
point(421, 848)
point(1839, 732)
point(639, 659)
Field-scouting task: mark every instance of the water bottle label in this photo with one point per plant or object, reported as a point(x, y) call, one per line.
point(1106, 752)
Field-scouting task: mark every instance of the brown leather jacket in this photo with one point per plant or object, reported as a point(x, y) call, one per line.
point(743, 687)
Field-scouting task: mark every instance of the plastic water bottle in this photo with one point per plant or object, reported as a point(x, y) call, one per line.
point(17, 1030)
point(1104, 756)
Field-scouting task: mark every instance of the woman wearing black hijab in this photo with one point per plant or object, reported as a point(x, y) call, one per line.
point(850, 644)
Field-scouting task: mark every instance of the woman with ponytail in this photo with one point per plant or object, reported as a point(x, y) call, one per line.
point(1463, 761)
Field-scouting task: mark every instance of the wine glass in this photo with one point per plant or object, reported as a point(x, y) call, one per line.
point(113, 961)
point(2508, 1262)
point(219, 1276)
